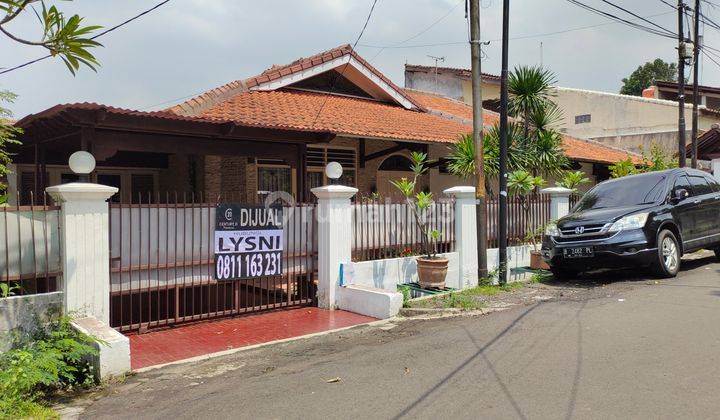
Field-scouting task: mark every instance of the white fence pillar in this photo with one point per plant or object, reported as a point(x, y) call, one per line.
point(85, 251)
point(559, 201)
point(334, 213)
point(465, 236)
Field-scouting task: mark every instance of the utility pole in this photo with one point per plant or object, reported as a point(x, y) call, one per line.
point(503, 213)
point(681, 86)
point(480, 194)
point(696, 88)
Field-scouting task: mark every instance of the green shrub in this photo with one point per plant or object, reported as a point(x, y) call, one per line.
point(54, 357)
point(405, 290)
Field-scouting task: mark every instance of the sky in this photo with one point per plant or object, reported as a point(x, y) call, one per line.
point(188, 46)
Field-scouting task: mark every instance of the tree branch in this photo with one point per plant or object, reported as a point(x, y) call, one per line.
point(13, 15)
point(24, 41)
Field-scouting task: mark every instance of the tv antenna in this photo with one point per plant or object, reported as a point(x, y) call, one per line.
point(437, 59)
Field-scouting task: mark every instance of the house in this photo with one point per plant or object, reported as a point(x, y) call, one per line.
point(628, 122)
point(708, 96)
point(275, 131)
point(452, 82)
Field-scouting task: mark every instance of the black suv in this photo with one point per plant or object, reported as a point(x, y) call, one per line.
point(647, 220)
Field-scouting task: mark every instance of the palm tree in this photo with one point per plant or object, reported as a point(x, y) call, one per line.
point(546, 154)
point(462, 153)
point(529, 88)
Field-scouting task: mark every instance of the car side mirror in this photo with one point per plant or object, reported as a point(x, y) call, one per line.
point(680, 195)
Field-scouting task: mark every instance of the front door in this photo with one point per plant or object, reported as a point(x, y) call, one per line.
point(686, 212)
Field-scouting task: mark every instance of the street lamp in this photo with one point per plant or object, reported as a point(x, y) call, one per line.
point(82, 163)
point(334, 171)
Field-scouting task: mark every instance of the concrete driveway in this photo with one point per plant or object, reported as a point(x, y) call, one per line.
point(626, 348)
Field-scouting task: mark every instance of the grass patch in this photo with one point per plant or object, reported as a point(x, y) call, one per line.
point(468, 299)
point(542, 276)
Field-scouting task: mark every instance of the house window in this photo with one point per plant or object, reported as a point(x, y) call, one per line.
point(319, 156)
point(582, 119)
point(272, 178)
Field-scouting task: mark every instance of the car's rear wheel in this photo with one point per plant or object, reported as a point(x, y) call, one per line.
point(668, 255)
point(717, 253)
point(560, 273)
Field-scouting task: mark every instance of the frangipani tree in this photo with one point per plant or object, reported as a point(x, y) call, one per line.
point(572, 180)
point(419, 203)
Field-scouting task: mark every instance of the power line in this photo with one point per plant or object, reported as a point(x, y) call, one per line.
point(440, 19)
point(93, 37)
point(539, 35)
point(636, 16)
point(666, 33)
point(332, 85)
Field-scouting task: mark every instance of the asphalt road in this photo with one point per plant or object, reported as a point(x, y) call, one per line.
point(631, 348)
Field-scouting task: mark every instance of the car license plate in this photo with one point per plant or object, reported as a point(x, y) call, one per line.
point(579, 252)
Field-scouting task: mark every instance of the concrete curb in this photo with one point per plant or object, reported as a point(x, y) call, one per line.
point(255, 346)
point(435, 313)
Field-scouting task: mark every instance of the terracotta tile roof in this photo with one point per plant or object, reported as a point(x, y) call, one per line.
point(464, 73)
point(293, 109)
point(592, 151)
point(576, 149)
point(449, 107)
point(200, 103)
point(92, 106)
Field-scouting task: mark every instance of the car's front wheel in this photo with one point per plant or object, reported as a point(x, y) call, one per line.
point(668, 255)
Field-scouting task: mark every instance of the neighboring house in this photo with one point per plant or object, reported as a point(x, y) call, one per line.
point(625, 121)
point(272, 132)
point(451, 82)
point(629, 122)
point(708, 96)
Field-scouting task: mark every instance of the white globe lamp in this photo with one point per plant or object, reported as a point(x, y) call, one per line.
point(82, 163)
point(334, 171)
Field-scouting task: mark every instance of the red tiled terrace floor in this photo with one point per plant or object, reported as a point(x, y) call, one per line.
point(180, 343)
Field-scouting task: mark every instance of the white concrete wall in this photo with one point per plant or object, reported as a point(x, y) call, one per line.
point(615, 115)
point(387, 274)
point(369, 301)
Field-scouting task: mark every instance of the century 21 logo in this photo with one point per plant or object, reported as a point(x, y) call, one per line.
point(228, 214)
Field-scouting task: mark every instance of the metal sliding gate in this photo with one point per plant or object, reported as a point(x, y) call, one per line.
point(162, 265)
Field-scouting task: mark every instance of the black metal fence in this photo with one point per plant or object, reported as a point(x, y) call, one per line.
point(29, 245)
point(162, 263)
point(389, 230)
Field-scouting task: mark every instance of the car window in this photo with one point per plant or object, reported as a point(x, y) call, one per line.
point(700, 185)
point(624, 192)
point(681, 182)
point(714, 184)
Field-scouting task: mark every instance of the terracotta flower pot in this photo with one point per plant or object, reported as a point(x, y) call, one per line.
point(432, 272)
point(537, 262)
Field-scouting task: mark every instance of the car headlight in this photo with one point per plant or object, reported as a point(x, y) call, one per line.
point(634, 221)
point(552, 230)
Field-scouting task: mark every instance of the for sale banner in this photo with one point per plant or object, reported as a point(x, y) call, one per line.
point(248, 241)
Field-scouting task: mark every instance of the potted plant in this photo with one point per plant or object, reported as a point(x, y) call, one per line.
point(521, 184)
point(431, 268)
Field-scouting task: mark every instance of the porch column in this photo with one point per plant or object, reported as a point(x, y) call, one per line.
point(465, 236)
point(559, 201)
point(84, 241)
point(334, 214)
